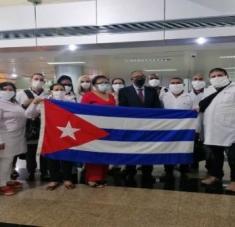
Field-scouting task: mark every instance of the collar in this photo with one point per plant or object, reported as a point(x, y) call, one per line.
point(201, 91)
point(137, 88)
point(37, 93)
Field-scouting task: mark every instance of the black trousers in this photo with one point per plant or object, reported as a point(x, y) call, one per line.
point(60, 170)
point(184, 168)
point(198, 151)
point(217, 160)
point(146, 170)
point(31, 162)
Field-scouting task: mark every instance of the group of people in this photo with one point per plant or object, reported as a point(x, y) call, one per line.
point(20, 124)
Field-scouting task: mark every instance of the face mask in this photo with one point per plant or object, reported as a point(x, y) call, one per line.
point(37, 84)
point(176, 88)
point(7, 95)
point(154, 82)
point(117, 87)
point(198, 85)
point(67, 88)
point(139, 82)
point(85, 85)
point(59, 95)
point(219, 82)
point(103, 87)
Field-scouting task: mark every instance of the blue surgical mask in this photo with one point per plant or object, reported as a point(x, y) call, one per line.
point(103, 87)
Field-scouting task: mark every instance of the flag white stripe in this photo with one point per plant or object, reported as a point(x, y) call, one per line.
point(106, 146)
point(140, 124)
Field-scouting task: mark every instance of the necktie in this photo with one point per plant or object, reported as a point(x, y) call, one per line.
point(140, 94)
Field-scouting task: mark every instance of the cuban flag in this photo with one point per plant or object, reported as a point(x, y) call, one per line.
point(116, 135)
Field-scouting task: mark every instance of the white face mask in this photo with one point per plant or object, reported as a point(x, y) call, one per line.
point(117, 87)
point(67, 88)
point(103, 87)
point(37, 84)
point(154, 82)
point(7, 95)
point(85, 85)
point(176, 88)
point(198, 84)
point(219, 82)
point(59, 95)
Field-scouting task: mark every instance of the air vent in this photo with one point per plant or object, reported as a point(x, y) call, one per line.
point(209, 22)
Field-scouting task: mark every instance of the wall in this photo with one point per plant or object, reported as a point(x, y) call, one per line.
point(106, 12)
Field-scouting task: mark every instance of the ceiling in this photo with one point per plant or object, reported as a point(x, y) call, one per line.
point(184, 60)
point(22, 2)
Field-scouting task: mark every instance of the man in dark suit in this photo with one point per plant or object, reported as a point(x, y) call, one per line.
point(138, 95)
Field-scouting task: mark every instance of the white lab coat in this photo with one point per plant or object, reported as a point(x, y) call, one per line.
point(219, 119)
point(21, 96)
point(12, 129)
point(71, 97)
point(196, 99)
point(184, 101)
point(34, 110)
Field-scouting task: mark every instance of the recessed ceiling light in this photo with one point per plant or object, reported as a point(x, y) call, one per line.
point(201, 40)
point(227, 57)
point(14, 75)
point(72, 47)
point(160, 70)
point(67, 63)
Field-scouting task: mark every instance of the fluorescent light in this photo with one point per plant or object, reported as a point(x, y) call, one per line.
point(137, 60)
point(201, 40)
point(14, 75)
point(72, 47)
point(228, 68)
point(160, 70)
point(227, 57)
point(67, 63)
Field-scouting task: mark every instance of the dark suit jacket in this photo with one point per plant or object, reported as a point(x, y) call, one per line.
point(128, 97)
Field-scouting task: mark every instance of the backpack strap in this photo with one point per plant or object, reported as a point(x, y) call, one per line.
point(203, 104)
point(29, 94)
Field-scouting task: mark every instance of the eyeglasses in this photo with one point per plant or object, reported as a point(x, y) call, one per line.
point(195, 79)
point(37, 79)
point(138, 77)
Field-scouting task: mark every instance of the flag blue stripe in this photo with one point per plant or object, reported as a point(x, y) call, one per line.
point(127, 112)
point(121, 159)
point(148, 135)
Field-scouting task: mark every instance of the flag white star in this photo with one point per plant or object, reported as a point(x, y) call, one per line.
point(68, 130)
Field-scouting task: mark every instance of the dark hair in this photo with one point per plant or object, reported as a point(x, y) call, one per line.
point(177, 78)
point(64, 77)
point(4, 84)
point(118, 78)
point(55, 84)
point(94, 80)
point(154, 74)
point(39, 74)
point(136, 71)
point(219, 70)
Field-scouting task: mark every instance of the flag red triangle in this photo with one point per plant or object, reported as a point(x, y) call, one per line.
point(57, 120)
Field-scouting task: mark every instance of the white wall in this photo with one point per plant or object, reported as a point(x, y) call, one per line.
point(106, 12)
point(178, 9)
point(16, 18)
point(66, 14)
point(124, 11)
